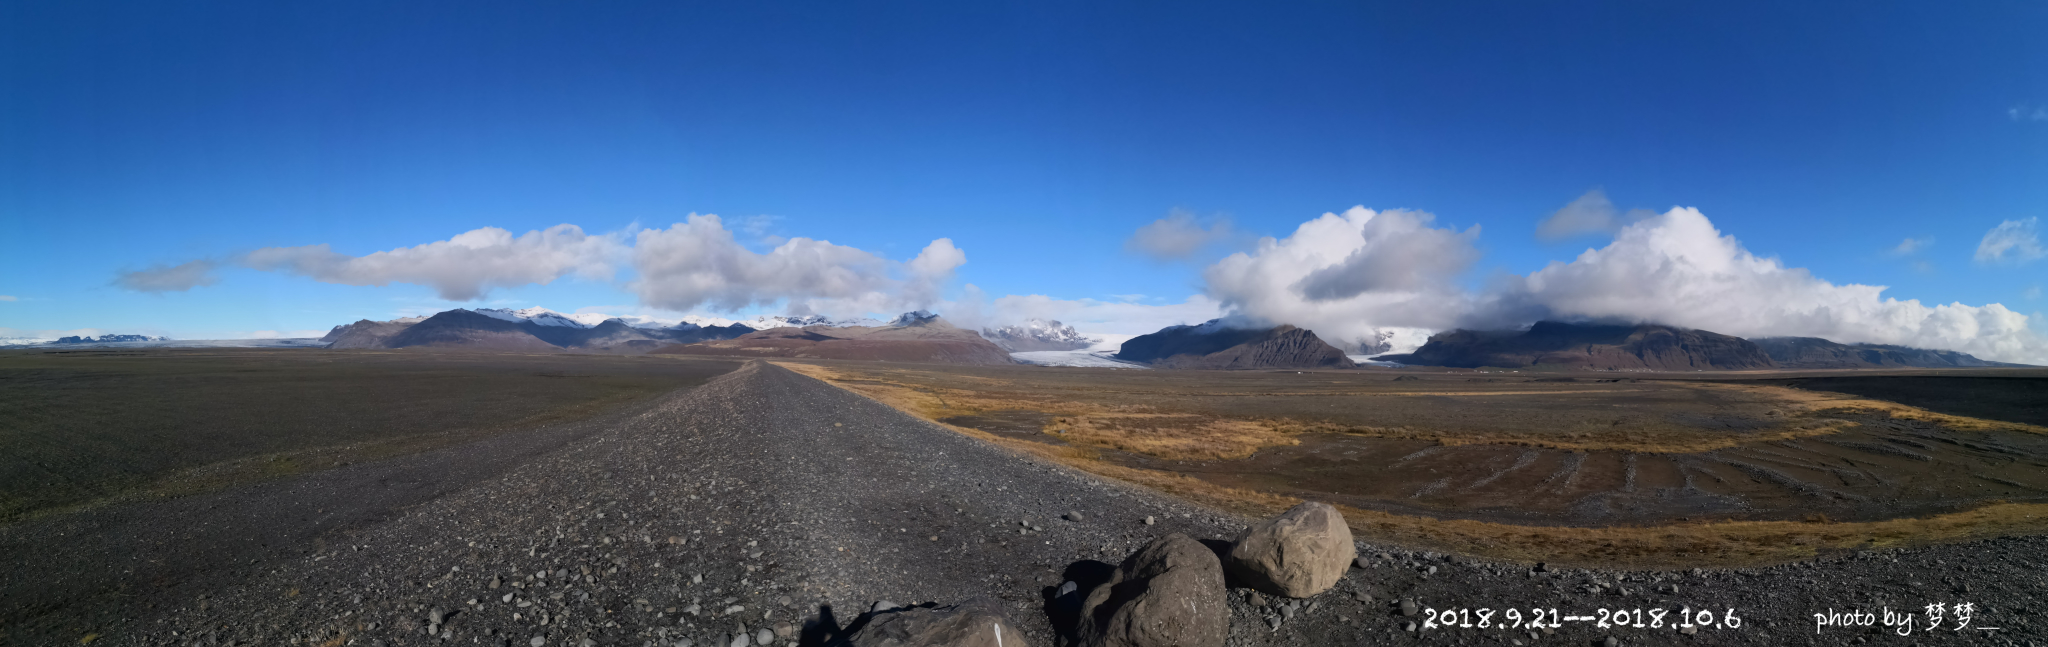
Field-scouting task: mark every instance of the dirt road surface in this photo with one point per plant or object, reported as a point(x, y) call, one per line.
point(770, 505)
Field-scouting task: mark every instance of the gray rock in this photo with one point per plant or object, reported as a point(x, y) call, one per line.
point(1611, 642)
point(1408, 608)
point(764, 636)
point(977, 623)
point(685, 642)
point(1360, 562)
point(1300, 553)
point(1073, 516)
point(738, 640)
point(537, 641)
point(1169, 593)
point(882, 605)
point(1149, 520)
point(1067, 587)
point(435, 616)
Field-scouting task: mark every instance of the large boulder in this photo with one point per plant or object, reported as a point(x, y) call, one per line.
point(1169, 593)
point(978, 623)
point(1300, 553)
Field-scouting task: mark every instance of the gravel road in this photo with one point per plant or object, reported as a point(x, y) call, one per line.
point(769, 505)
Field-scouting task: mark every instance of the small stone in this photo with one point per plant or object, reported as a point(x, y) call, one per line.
point(764, 636)
point(685, 642)
point(1073, 516)
point(1287, 612)
point(537, 641)
point(587, 643)
point(1362, 596)
point(1408, 607)
point(1689, 629)
point(1256, 599)
point(434, 617)
point(697, 579)
point(882, 605)
point(1149, 520)
point(739, 640)
point(1360, 562)
point(1611, 642)
point(734, 609)
point(1066, 588)
point(1383, 557)
point(1408, 626)
point(1432, 570)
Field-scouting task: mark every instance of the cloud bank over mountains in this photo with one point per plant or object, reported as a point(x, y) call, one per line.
point(1359, 278)
point(1364, 275)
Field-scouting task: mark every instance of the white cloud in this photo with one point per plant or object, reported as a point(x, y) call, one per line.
point(1352, 277)
point(2024, 113)
point(2012, 241)
point(169, 278)
point(1591, 213)
point(2032, 292)
point(4, 297)
point(697, 263)
point(1356, 277)
point(1176, 236)
point(463, 268)
point(1677, 269)
point(1910, 246)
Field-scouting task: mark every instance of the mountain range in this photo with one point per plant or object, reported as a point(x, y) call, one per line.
point(1218, 344)
point(913, 337)
point(1650, 347)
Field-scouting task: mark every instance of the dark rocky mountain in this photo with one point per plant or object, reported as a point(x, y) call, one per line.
point(367, 334)
point(1214, 345)
point(1814, 352)
point(468, 329)
point(1589, 346)
point(913, 337)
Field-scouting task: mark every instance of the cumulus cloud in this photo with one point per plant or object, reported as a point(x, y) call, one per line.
point(168, 278)
point(1352, 278)
point(1677, 269)
point(463, 268)
point(1591, 213)
point(1177, 236)
point(1673, 268)
point(2012, 242)
point(698, 263)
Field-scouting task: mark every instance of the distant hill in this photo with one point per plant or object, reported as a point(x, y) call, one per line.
point(1589, 346)
point(1214, 345)
point(1814, 352)
point(913, 337)
point(531, 330)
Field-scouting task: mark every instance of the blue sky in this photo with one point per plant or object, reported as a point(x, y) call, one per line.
point(1037, 137)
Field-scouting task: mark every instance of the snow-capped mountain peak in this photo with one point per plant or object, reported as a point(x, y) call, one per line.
point(542, 317)
point(1037, 335)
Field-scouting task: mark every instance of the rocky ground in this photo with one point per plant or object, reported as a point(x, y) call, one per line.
point(767, 507)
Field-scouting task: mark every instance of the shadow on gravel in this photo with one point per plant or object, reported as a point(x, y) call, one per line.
point(817, 631)
point(1063, 603)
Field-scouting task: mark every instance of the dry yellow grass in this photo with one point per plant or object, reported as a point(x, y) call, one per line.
point(1686, 545)
point(1641, 441)
point(1822, 402)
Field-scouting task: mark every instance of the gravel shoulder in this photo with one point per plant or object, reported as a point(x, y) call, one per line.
point(766, 500)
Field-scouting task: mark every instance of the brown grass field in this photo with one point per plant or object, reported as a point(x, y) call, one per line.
point(1658, 471)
